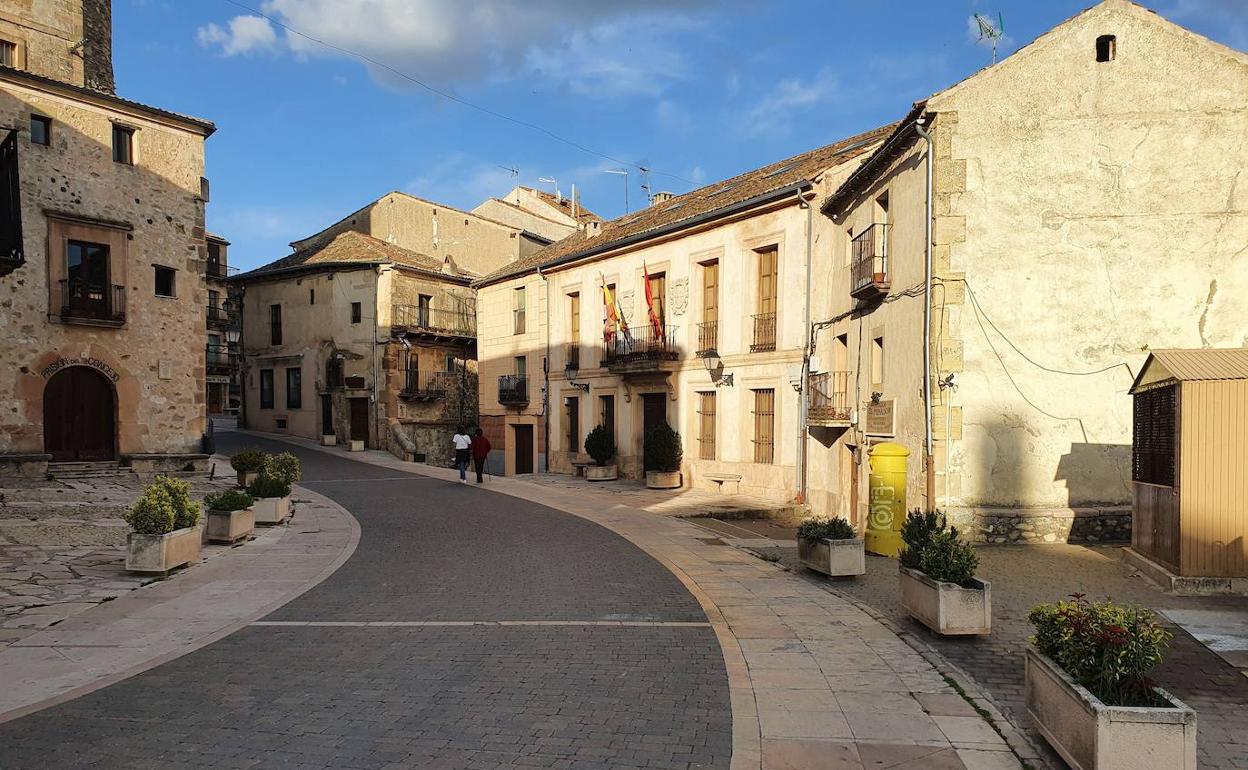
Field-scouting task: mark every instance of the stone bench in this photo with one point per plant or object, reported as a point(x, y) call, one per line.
point(724, 483)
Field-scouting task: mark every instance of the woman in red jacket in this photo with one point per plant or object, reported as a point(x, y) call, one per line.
point(480, 451)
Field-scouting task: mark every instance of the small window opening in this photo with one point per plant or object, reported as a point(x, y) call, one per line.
point(165, 281)
point(123, 145)
point(1106, 48)
point(40, 130)
point(357, 312)
point(8, 53)
point(311, 296)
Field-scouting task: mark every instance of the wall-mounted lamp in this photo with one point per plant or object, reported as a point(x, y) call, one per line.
point(715, 367)
point(569, 372)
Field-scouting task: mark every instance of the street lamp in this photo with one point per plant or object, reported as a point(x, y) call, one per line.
point(570, 371)
point(715, 367)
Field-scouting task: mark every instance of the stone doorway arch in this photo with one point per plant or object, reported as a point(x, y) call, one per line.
point(79, 416)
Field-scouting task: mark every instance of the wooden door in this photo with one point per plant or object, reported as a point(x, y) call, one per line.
point(359, 419)
point(79, 421)
point(216, 399)
point(524, 448)
point(653, 414)
point(327, 415)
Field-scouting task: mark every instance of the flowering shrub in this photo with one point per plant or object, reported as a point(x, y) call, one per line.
point(934, 548)
point(248, 461)
point(283, 467)
point(824, 528)
point(1108, 648)
point(164, 506)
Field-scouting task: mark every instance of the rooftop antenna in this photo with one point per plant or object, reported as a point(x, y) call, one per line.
point(514, 171)
point(645, 182)
point(624, 173)
point(555, 182)
point(990, 31)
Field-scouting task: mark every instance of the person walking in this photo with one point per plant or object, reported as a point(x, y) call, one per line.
point(462, 445)
point(480, 451)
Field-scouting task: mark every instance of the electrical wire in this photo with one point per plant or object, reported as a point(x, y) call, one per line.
point(451, 97)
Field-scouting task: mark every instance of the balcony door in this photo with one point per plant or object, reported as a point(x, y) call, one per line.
point(79, 420)
point(87, 291)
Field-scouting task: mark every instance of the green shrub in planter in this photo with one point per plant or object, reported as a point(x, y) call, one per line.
point(164, 506)
point(267, 486)
point(1108, 648)
point(233, 500)
point(663, 450)
point(284, 467)
point(933, 547)
point(825, 528)
point(600, 445)
point(248, 461)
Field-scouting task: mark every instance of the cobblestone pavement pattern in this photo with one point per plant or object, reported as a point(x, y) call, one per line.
point(468, 630)
point(1024, 576)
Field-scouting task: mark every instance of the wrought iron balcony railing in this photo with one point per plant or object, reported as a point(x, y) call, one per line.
point(427, 385)
point(513, 389)
point(869, 273)
point(764, 333)
point(829, 398)
point(84, 301)
point(220, 357)
point(639, 347)
point(439, 321)
point(708, 336)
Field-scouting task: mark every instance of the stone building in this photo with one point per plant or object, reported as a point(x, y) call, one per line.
point(222, 355)
point(1084, 207)
point(367, 332)
point(551, 216)
point(102, 223)
point(727, 269)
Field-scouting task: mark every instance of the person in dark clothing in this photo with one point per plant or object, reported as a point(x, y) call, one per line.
point(480, 451)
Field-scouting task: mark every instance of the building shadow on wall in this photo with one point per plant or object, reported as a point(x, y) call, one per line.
point(1096, 475)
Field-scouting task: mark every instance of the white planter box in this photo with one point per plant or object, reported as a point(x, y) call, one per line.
point(1092, 736)
point(161, 553)
point(947, 608)
point(245, 478)
point(271, 510)
point(663, 479)
point(230, 526)
point(329, 440)
point(355, 446)
point(602, 472)
point(835, 558)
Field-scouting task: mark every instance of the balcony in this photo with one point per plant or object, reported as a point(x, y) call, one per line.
point(93, 304)
point(219, 316)
point(217, 269)
point(513, 389)
point(573, 358)
point(427, 386)
point(708, 336)
point(12, 254)
point(641, 351)
point(424, 321)
point(764, 333)
point(869, 273)
point(829, 400)
point(220, 359)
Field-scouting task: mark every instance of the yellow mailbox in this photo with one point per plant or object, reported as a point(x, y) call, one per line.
point(887, 502)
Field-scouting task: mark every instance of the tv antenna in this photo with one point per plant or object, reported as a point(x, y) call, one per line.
point(990, 31)
point(551, 180)
point(645, 181)
point(514, 171)
point(624, 173)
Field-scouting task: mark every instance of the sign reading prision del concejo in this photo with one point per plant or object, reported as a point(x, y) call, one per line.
point(83, 360)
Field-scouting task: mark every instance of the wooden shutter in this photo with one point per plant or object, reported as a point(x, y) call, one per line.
point(1153, 437)
point(706, 426)
point(765, 426)
point(575, 310)
point(767, 264)
point(710, 293)
point(658, 290)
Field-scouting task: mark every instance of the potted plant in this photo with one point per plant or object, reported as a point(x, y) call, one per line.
point(663, 456)
point(230, 516)
point(938, 584)
point(831, 546)
point(166, 528)
point(247, 464)
point(272, 499)
point(1088, 689)
point(600, 445)
point(284, 467)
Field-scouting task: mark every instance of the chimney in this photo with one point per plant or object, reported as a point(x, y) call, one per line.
point(592, 228)
point(661, 197)
point(97, 49)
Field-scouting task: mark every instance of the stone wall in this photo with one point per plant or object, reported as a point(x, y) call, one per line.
point(1062, 525)
point(97, 53)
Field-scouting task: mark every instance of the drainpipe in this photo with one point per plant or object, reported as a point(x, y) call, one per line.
point(929, 468)
point(804, 393)
point(545, 376)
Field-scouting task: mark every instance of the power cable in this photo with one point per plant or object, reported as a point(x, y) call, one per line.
point(451, 97)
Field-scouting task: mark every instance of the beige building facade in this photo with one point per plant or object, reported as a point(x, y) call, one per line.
point(104, 250)
point(1082, 212)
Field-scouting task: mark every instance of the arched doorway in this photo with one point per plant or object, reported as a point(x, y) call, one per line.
point(79, 416)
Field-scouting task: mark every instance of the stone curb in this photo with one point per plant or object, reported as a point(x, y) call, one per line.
point(346, 549)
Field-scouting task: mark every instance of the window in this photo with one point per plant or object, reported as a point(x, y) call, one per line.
point(574, 424)
point(518, 302)
point(123, 145)
point(294, 388)
point(40, 130)
point(877, 360)
point(706, 426)
point(574, 329)
point(658, 292)
point(280, 422)
point(522, 366)
point(333, 373)
point(266, 388)
point(1152, 440)
point(214, 298)
point(606, 413)
point(357, 312)
point(165, 286)
point(765, 319)
point(840, 353)
point(8, 53)
point(424, 306)
point(311, 296)
point(765, 426)
point(275, 324)
point(1106, 48)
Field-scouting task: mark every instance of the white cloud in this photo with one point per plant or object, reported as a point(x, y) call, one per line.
point(620, 46)
point(245, 34)
point(788, 99)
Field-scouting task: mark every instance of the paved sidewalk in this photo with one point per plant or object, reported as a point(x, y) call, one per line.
point(815, 682)
point(95, 646)
point(683, 503)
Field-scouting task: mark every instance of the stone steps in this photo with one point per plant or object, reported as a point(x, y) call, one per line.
point(77, 471)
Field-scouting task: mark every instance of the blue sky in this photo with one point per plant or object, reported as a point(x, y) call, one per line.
point(698, 89)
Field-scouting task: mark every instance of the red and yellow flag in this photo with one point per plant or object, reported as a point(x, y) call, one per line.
point(656, 323)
